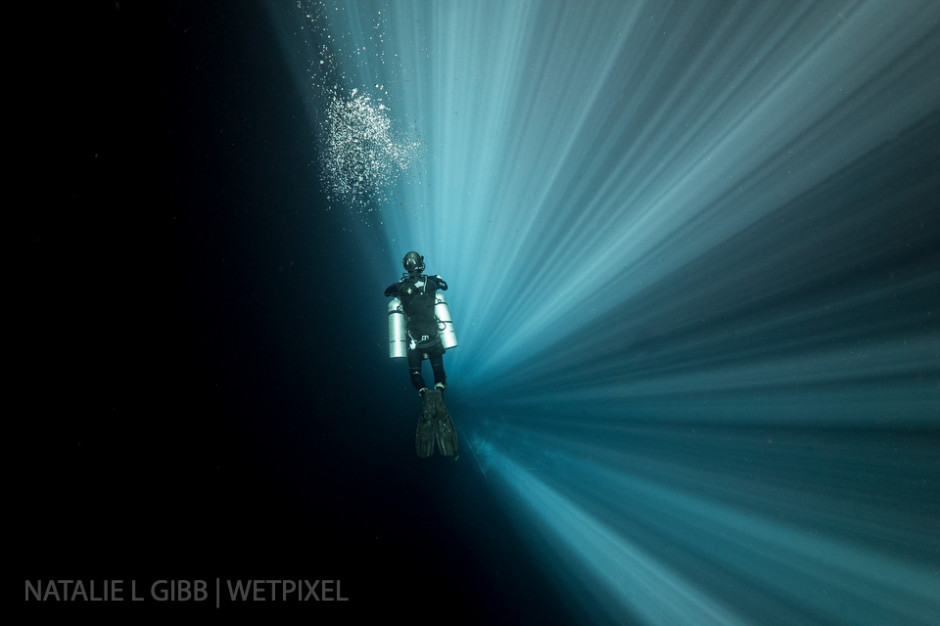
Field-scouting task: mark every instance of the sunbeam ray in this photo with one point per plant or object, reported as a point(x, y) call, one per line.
point(694, 258)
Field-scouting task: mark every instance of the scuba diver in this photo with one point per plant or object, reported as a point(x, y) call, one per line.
point(420, 329)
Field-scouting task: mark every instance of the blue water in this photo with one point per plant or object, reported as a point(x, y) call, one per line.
point(694, 269)
point(694, 262)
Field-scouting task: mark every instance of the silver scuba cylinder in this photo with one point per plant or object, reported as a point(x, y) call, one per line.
point(397, 336)
point(448, 336)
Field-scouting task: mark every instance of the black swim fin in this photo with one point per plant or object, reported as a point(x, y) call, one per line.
point(424, 436)
point(435, 426)
point(445, 434)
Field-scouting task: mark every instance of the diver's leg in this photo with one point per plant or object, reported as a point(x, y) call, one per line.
point(426, 431)
point(414, 371)
point(440, 378)
point(444, 432)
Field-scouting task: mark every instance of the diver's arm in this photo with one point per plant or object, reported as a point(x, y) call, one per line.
point(392, 290)
point(440, 282)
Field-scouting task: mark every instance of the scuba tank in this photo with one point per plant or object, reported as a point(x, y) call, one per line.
point(398, 331)
point(397, 335)
point(448, 336)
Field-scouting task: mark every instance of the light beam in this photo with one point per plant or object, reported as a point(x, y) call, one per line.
point(693, 251)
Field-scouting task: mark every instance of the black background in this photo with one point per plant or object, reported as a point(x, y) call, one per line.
point(198, 361)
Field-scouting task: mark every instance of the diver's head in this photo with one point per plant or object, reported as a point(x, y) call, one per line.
point(413, 262)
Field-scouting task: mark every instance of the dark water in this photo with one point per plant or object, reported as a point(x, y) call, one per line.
point(194, 364)
point(178, 425)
